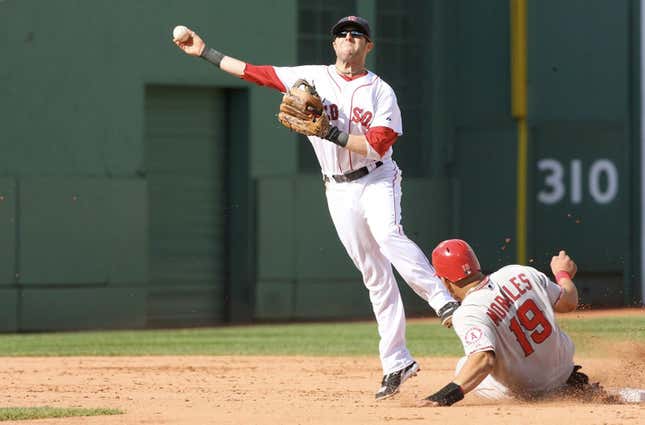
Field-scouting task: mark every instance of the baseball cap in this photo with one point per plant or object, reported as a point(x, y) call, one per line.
point(352, 21)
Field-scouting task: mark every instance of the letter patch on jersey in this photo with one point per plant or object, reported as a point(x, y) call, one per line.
point(332, 111)
point(361, 116)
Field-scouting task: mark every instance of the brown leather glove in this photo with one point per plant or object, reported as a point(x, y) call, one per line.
point(301, 110)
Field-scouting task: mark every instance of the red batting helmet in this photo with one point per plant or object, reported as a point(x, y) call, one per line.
point(454, 260)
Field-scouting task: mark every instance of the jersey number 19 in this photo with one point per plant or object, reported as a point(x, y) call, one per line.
point(528, 318)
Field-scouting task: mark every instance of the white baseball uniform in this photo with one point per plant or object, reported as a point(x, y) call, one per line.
point(367, 212)
point(511, 313)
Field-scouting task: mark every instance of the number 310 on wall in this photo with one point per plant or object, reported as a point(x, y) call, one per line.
point(601, 181)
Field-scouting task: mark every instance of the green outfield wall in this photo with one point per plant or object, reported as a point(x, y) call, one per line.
point(129, 169)
point(583, 83)
point(140, 187)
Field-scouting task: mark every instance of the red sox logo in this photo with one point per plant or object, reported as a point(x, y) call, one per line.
point(332, 111)
point(362, 117)
point(359, 115)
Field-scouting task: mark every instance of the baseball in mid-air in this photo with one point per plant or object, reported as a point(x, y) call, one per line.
point(180, 33)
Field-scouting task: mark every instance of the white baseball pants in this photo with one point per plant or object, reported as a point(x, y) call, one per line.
point(367, 215)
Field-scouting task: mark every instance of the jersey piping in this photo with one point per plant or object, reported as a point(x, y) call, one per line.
point(349, 120)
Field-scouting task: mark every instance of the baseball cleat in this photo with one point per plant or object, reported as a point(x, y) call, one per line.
point(393, 381)
point(445, 313)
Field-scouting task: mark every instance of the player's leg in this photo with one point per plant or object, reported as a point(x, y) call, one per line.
point(381, 201)
point(489, 388)
point(377, 273)
point(378, 278)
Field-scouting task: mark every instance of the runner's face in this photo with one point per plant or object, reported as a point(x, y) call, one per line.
point(449, 287)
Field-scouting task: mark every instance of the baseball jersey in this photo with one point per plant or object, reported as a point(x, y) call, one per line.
point(354, 106)
point(511, 313)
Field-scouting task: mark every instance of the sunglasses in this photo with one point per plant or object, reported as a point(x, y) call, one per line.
point(354, 33)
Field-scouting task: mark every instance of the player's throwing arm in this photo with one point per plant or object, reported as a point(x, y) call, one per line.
point(192, 44)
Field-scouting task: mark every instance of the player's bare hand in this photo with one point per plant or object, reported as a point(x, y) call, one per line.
point(427, 403)
point(562, 262)
point(193, 46)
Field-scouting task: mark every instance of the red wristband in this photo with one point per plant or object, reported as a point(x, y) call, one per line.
point(562, 275)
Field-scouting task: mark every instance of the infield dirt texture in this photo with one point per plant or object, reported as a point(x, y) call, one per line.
point(194, 390)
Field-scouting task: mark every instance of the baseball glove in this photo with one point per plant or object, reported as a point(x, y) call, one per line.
point(301, 110)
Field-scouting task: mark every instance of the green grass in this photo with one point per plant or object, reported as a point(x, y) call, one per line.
point(25, 413)
point(632, 328)
point(327, 339)
point(596, 336)
point(305, 339)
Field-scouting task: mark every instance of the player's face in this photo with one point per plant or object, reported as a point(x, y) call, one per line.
point(351, 44)
point(449, 287)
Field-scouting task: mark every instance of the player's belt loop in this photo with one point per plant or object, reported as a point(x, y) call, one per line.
point(354, 175)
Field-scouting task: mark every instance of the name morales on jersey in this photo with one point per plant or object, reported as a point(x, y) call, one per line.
point(513, 290)
point(358, 115)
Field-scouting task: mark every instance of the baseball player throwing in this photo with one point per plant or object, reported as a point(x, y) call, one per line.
point(506, 323)
point(362, 121)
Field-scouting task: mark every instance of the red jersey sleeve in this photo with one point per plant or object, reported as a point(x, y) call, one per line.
point(381, 138)
point(263, 75)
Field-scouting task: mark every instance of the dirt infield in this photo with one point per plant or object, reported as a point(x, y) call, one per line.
point(288, 390)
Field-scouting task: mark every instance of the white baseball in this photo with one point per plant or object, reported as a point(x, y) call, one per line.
point(180, 33)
